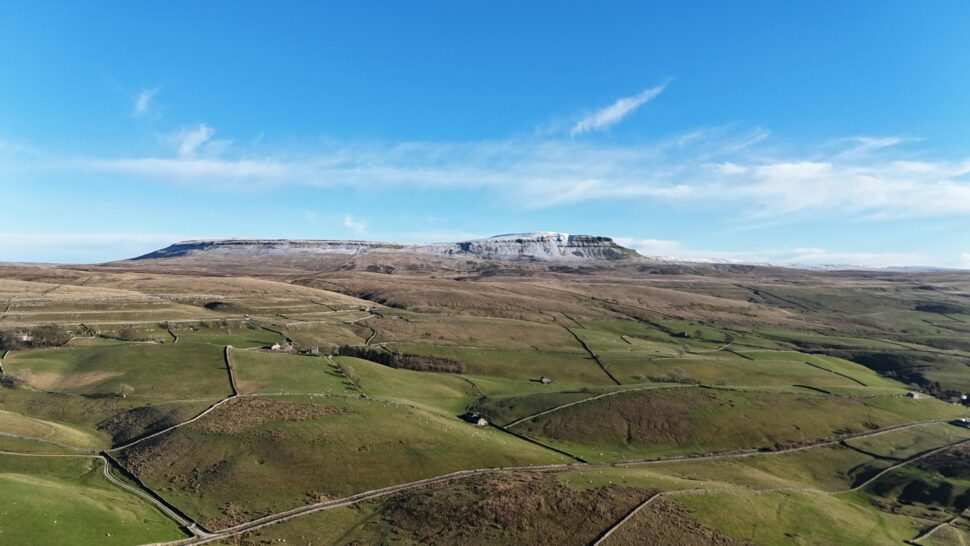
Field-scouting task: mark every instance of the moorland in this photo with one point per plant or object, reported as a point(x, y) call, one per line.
point(454, 395)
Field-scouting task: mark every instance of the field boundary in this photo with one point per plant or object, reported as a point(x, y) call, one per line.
point(272, 519)
point(593, 355)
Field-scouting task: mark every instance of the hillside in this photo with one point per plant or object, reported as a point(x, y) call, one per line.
point(605, 381)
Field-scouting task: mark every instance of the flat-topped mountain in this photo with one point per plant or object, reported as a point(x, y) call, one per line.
point(532, 247)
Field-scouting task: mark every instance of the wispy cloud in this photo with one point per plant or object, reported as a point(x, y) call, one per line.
point(759, 176)
point(964, 261)
point(143, 102)
point(614, 113)
point(779, 256)
point(355, 225)
point(190, 140)
point(82, 247)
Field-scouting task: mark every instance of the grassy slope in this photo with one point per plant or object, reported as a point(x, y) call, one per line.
point(326, 528)
point(782, 519)
point(21, 425)
point(182, 370)
point(87, 415)
point(437, 392)
point(265, 372)
point(66, 501)
point(670, 421)
point(278, 464)
point(567, 368)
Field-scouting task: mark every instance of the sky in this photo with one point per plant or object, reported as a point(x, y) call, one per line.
point(823, 132)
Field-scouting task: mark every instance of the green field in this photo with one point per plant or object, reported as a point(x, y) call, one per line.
point(266, 455)
point(780, 519)
point(182, 370)
point(261, 372)
point(674, 421)
point(755, 403)
point(55, 500)
point(565, 368)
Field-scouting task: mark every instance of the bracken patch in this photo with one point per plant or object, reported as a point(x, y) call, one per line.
point(525, 510)
point(243, 414)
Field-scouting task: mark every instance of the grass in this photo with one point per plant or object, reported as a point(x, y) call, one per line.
point(327, 528)
point(54, 501)
point(859, 374)
point(20, 445)
point(725, 371)
point(905, 444)
point(433, 391)
point(948, 536)
point(182, 370)
point(261, 372)
point(506, 409)
point(936, 486)
point(236, 335)
point(802, 518)
point(831, 468)
point(21, 425)
point(677, 421)
point(100, 417)
point(245, 461)
point(567, 368)
point(475, 332)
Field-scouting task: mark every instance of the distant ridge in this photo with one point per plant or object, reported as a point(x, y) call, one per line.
point(534, 247)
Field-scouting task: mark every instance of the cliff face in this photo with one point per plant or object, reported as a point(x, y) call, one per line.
point(537, 247)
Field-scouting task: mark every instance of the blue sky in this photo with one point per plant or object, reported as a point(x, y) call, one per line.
point(805, 132)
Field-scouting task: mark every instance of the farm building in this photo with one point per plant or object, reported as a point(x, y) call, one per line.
point(475, 419)
point(545, 380)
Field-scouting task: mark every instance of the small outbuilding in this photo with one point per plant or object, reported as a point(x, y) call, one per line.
point(913, 394)
point(545, 380)
point(276, 347)
point(474, 419)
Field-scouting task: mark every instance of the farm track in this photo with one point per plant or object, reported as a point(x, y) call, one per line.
point(272, 519)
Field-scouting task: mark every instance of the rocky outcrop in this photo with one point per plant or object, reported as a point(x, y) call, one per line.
point(537, 247)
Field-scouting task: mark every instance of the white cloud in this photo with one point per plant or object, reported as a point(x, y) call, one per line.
point(964, 261)
point(728, 168)
point(355, 225)
point(143, 102)
point(81, 247)
point(190, 140)
point(614, 113)
point(779, 256)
